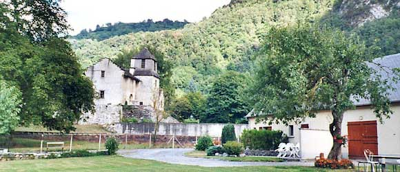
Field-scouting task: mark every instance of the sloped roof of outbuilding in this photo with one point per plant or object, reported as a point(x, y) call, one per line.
point(385, 69)
point(145, 54)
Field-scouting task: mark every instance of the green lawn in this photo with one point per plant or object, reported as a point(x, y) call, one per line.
point(202, 154)
point(24, 145)
point(117, 163)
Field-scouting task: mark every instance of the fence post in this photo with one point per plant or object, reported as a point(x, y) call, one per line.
point(126, 140)
point(70, 143)
point(99, 142)
point(149, 140)
point(173, 141)
point(41, 145)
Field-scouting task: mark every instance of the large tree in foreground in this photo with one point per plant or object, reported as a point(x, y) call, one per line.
point(41, 66)
point(305, 69)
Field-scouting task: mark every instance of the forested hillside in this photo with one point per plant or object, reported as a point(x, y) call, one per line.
point(230, 38)
point(201, 51)
point(110, 30)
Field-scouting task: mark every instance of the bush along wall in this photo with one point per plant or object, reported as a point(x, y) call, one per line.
point(263, 139)
point(228, 133)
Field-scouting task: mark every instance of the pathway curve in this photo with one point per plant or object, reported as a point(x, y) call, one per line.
point(177, 156)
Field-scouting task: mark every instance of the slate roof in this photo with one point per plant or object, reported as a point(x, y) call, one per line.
point(139, 72)
point(129, 75)
point(387, 64)
point(145, 54)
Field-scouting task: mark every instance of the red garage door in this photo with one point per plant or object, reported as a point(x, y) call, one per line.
point(362, 135)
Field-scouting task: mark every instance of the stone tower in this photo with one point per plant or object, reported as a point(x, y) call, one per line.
point(144, 67)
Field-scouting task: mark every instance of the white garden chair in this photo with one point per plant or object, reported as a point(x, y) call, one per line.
point(290, 150)
point(281, 149)
point(296, 150)
point(368, 156)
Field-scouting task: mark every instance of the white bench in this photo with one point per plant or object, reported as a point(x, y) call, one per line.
point(55, 145)
point(3, 150)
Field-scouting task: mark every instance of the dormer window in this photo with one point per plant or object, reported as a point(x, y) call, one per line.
point(155, 66)
point(103, 73)
point(143, 65)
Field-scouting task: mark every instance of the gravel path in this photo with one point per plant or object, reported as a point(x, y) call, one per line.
point(176, 156)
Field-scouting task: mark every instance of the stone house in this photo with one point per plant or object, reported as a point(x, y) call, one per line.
point(360, 125)
point(138, 86)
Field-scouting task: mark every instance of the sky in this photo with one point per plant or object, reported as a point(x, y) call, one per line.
point(85, 14)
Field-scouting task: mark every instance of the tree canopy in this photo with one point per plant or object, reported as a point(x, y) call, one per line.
point(111, 30)
point(41, 65)
point(225, 103)
point(305, 69)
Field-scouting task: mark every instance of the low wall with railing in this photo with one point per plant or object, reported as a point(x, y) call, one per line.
point(178, 129)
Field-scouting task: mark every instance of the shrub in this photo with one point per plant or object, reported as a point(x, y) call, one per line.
point(130, 120)
point(212, 150)
point(81, 153)
point(111, 145)
point(228, 133)
point(52, 156)
point(233, 148)
point(263, 139)
point(203, 143)
point(346, 164)
point(191, 121)
point(333, 164)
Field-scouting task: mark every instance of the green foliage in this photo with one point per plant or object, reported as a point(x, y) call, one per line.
point(233, 148)
point(225, 103)
point(190, 105)
point(224, 41)
point(228, 133)
point(191, 121)
point(111, 30)
point(263, 139)
point(112, 145)
point(42, 66)
point(145, 120)
point(130, 120)
point(10, 106)
point(212, 150)
point(203, 143)
point(306, 69)
point(82, 153)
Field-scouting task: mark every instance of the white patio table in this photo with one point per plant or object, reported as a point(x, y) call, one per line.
point(383, 158)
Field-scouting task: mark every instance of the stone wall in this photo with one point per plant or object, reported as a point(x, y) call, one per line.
point(104, 115)
point(178, 129)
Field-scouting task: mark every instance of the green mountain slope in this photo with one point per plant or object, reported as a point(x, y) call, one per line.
point(228, 39)
point(111, 30)
point(203, 50)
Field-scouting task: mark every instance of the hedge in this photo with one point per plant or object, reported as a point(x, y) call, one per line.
point(263, 139)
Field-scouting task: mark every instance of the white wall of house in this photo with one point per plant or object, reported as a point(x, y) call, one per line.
point(146, 89)
point(129, 89)
point(310, 147)
point(111, 83)
point(388, 130)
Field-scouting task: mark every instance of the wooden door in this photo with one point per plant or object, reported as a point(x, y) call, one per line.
point(362, 135)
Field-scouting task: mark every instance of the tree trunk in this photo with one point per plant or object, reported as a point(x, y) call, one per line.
point(335, 129)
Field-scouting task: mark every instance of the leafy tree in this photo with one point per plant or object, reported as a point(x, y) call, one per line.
point(303, 70)
point(228, 133)
point(42, 66)
point(111, 30)
point(10, 103)
point(124, 58)
point(187, 106)
point(225, 103)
